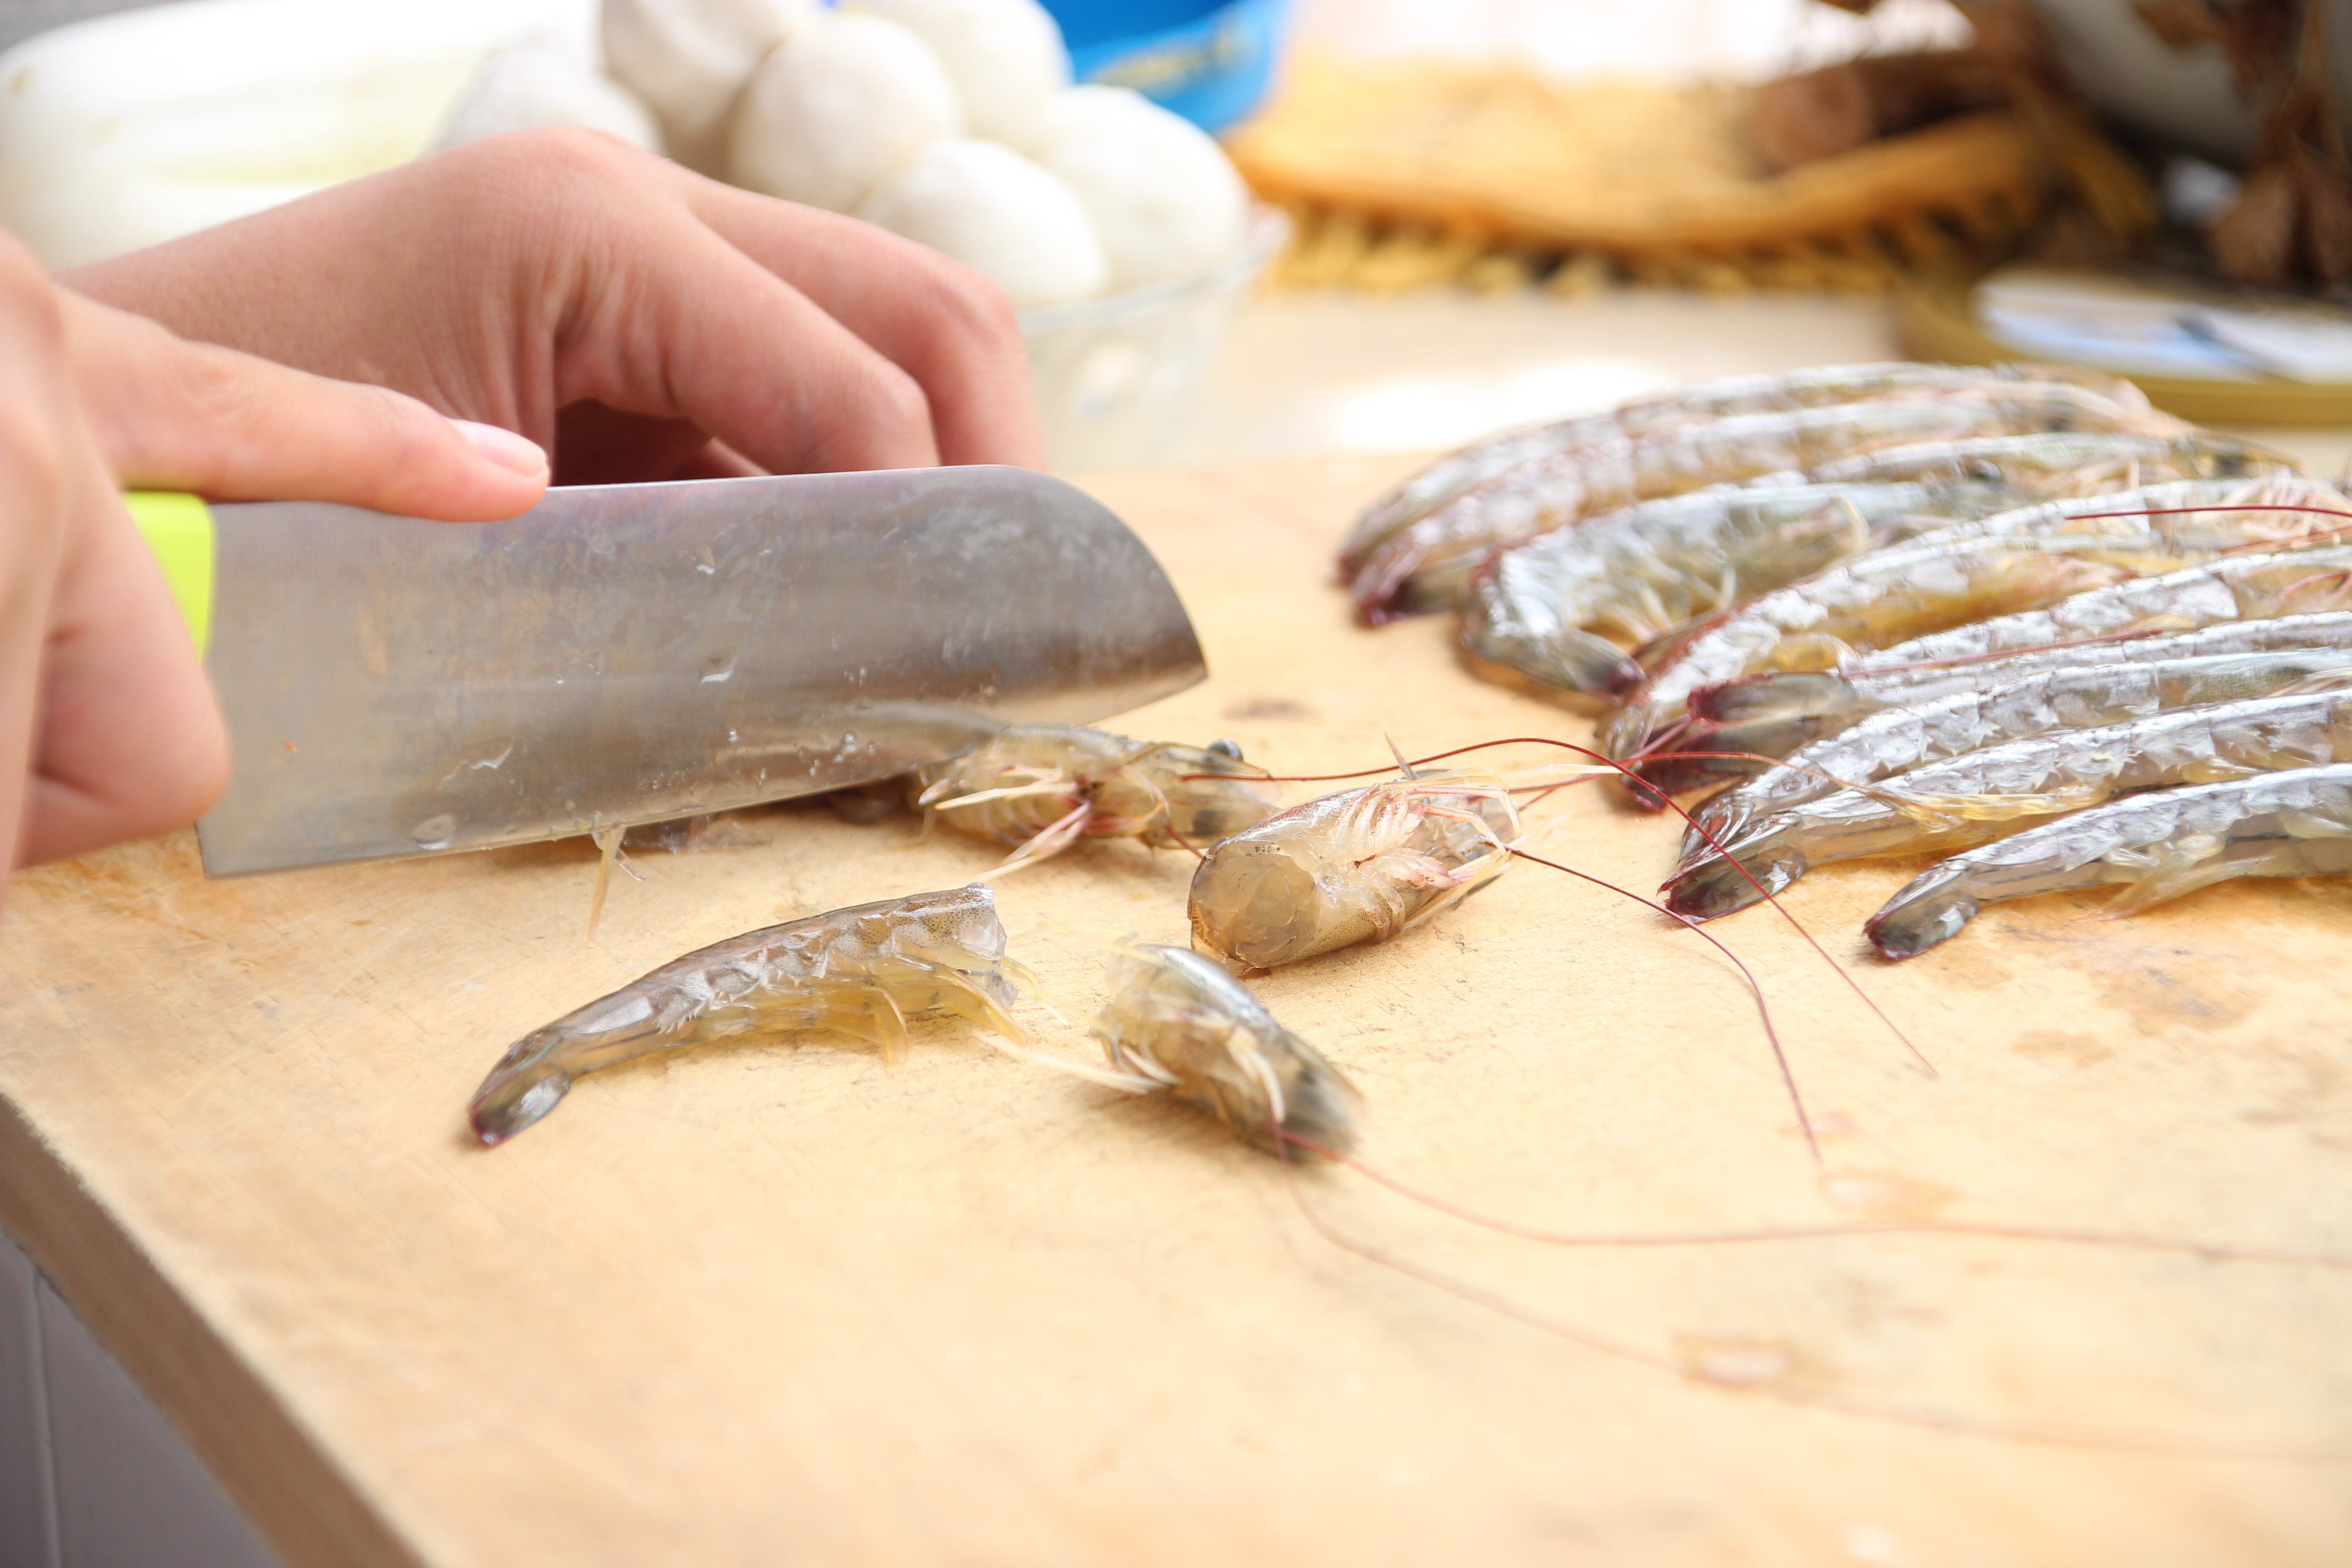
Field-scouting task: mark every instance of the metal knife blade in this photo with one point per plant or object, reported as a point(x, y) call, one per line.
point(633, 653)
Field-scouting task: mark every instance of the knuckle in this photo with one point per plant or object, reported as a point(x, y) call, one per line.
point(896, 400)
point(215, 392)
point(972, 309)
point(553, 154)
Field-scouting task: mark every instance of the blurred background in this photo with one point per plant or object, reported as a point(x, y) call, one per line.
point(1470, 214)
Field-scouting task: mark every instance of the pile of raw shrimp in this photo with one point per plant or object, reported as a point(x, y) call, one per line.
point(2012, 613)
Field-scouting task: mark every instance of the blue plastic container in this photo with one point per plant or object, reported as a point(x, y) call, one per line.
point(1209, 62)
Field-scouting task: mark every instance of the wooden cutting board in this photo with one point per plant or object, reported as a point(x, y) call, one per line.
point(779, 1303)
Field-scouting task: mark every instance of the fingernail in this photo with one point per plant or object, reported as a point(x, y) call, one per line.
point(505, 448)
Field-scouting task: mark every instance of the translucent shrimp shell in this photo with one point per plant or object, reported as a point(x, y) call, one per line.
point(1037, 775)
point(858, 971)
point(1358, 866)
point(1176, 1018)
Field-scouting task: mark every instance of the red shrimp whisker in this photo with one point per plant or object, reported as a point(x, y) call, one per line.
point(1756, 986)
point(2258, 545)
point(2032, 1434)
point(1670, 803)
point(2213, 1252)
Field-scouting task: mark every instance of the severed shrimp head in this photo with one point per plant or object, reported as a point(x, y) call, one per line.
point(1176, 1019)
point(857, 971)
point(1042, 787)
point(1358, 866)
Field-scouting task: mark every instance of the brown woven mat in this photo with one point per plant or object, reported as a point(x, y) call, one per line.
point(1404, 174)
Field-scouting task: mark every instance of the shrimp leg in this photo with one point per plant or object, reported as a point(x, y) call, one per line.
point(2152, 848)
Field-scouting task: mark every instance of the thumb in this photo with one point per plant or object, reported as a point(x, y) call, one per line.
point(168, 413)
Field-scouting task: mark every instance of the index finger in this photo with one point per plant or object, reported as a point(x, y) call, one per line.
point(942, 322)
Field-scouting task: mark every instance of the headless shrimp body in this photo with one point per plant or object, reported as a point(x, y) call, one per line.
point(1042, 787)
point(1358, 866)
point(2151, 847)
point(1177, 1021)
point(858, 971)
point(1989, 794)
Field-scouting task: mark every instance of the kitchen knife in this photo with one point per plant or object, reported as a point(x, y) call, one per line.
point(632, 653)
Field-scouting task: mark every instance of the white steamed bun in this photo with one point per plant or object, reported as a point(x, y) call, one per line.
point(1005, 58)
point(840, 106)
point(987, 205)
point(545, 80)
point(688, 58)
point(1161, 194)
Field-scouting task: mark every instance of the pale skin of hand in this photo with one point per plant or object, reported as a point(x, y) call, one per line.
point(639, 321)
point(108, 728)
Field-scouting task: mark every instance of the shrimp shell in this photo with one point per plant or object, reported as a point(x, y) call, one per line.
point(1990, 793)
point(2061, 462)
point(1178, 1020)
point(1894, 739)
point(1358, 866)
point(1777, 713)
point(1558, 611)
point(1677, 696)
point(1867, 602)
point(1044, 787)
point(2151, 847)
point(1423, 565)
point(858, 971)
point(1460, 471)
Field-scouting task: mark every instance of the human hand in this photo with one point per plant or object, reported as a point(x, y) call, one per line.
point(107, 729)
point(646, 322)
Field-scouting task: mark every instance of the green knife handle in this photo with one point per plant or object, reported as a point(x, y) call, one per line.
point(179, 530)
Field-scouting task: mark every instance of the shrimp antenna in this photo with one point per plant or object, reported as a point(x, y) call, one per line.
point(1404, 768)
point(1635, 781)
point(2036, 1435)
point(1763, 1012)
point(2132, 1241)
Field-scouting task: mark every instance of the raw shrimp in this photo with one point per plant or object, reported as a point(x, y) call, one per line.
point(2151, 847)
point(1774, 716)
point(1894, 739)
point(1561, 611)
point(1866, 603)
point(1452, 476)
point(1358, 866)
point(1990, 793)
point(2061, 462)
point(1423, 567)
point(1777, 713)
point(857, 971)
point(1957, 581)
point(1042, 787)
point(1177, 1023)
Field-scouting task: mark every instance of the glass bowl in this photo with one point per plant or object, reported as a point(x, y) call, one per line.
point(1115, 378)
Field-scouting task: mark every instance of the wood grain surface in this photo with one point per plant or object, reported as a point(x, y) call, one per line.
point(778, 1303)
